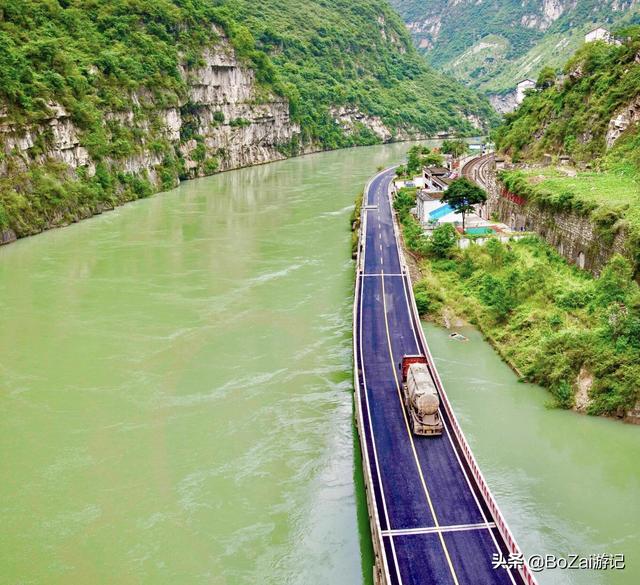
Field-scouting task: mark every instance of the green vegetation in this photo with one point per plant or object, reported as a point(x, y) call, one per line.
point(457, 148)
point(572, 116)
point(355, 53)
point(462, 195)
point(418, 157)
point(89, 55)
point(113, 65)
point(601, 188)
point(439, 245)
point(493, 44)
point(549, 320)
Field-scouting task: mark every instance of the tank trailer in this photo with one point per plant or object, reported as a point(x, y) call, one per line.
point(420, 396)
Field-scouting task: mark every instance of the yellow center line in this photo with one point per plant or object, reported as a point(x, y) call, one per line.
point(413, 447)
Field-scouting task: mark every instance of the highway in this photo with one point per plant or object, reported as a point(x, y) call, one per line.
point(433, 518)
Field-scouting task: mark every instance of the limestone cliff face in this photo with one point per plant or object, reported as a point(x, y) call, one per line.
point(225, 121)
point(239, 126)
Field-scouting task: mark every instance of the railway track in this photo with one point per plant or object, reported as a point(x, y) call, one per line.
point(477, 169)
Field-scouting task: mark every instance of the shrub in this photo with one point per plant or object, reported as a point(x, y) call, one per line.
point(443, 241)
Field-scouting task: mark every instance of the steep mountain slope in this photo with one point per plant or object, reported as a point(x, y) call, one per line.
point(104, 101)
point(356, 58)
point(592, 108)
point(491, 45)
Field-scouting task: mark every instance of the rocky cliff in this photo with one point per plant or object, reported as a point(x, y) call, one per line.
point(224, 121)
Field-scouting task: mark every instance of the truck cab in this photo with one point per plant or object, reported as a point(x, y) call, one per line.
point(420, 396)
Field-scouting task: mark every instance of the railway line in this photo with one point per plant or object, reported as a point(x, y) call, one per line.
point(477, 169)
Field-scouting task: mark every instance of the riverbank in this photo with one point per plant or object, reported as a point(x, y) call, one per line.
point(552, 323)
point(88, 196)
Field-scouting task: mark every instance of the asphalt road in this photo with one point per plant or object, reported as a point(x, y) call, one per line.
point(436, 526)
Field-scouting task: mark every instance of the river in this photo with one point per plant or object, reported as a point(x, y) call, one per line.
point(176, 397)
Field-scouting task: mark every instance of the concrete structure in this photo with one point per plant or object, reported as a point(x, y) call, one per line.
point(432, 516)
point(522, 87)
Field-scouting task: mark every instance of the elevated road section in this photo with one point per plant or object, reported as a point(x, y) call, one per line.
point(433, 518)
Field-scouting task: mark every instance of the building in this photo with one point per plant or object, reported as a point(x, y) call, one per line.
point(436, 178)
point(425, 203)
point(522, 87)
point(598, 34)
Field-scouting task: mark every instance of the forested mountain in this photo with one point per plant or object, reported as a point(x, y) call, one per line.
point(103, 101)
point(491, 45)
point(355, 54)
point(591, 107)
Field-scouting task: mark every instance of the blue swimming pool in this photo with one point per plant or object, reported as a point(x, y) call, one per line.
point(440, 212)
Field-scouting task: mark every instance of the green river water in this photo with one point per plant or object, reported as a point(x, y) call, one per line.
point(176, 399)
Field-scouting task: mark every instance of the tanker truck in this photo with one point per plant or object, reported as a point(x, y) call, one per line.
point(420, 396)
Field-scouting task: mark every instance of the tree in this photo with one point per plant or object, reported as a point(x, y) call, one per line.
point(432, 159)
point(455, 147)
point(414, 159)
point(419, 156)
point(546, 78)
point(442, 240)
point(463, 195)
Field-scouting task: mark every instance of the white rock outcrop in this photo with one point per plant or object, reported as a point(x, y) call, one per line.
point(622, 119)
point(350, 118)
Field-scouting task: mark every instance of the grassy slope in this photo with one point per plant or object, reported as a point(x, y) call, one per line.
point(605, 188)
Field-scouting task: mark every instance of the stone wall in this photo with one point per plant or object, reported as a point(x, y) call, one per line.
point(574, 236)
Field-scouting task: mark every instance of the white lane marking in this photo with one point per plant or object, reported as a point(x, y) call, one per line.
point(380, 274)
point(412, 442)
point(373, 441)
point(433, 529)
